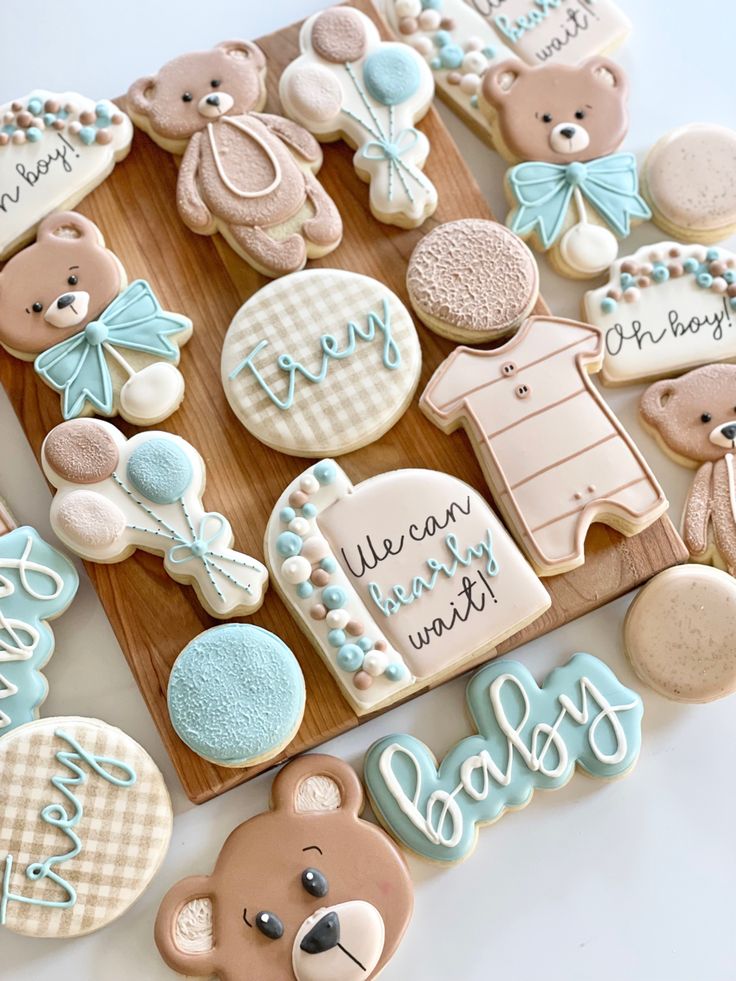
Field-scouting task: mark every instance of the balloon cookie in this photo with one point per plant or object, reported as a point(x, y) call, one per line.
point(349, 84)
point(305, 891)
point(104, 346)
point(116, 495)
point(55, 147)
point(85, 822)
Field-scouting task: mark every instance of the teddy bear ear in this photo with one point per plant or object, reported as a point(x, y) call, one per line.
point(653, 404)
point(499, 81)
point(140, 95)
point(606, 72)
point(244, 50)
point(68, 225)
point(316, 784)
point(184, 932)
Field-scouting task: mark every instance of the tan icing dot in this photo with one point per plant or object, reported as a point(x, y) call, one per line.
point(81, 451)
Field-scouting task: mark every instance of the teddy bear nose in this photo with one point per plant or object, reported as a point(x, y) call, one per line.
point(213, 100)
point(64, 301)
point(729, 431)
point(568, 132)
point(324, 935)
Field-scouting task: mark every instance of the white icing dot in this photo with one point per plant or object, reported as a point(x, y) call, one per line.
point(296, 569)
point(429, 20)
point(300, 526)
point(309, 484)
point(474, 61)
point(315, 548)
point(408, 8)
point(375, 663)
point(337, 619)
point(474, 43)
point(470, 83)
point(423, 45)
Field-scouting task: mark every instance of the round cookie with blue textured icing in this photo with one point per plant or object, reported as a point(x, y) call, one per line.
point(236, 695)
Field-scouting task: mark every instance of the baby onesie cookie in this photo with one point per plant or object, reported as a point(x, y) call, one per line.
point(104, 346)
point(322, 361)
point(694, 420)
point(55, 147)
point(555, 456)
point(37, 584)
point(687, 178)
point(398, 579)
point(573, 195)
point(115, 495)
point(85, 822)
point(236, 695)
point(680, 634)
point(528, 738)
point(305, 891)
point(246, 174)
point(664, 310)
point(349, 84)
point(472, 280)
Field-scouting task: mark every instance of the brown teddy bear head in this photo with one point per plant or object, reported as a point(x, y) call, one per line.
point(306, 890)
point(56, 286)
point(694, 416)
point(558, 113)
point(195, 89)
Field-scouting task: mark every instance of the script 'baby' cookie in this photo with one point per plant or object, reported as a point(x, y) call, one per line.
point(306, 891)
point(664, 310)
point(397, 580)
point(348, 83)
point(115, 495)
point(85, 822)
point(321, 362)
point(55, 147)
point(528, 738)
point(472, 280)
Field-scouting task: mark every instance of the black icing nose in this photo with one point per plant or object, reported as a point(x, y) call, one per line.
point(729, 431)
point(324, 935)
point(568, 132)
point(213, 100)
point(65, 301)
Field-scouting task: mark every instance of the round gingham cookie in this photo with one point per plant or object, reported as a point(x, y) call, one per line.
point(85, 822)
point(321, 362)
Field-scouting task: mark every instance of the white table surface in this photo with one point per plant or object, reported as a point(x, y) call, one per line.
point(631, 879)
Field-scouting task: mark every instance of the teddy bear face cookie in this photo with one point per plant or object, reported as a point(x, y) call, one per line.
point(305, 891)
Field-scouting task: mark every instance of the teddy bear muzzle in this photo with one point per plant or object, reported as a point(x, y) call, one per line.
point(68, 309)
point(215, 104)
point(342, 942)
point(568, 138)
point(724, 435)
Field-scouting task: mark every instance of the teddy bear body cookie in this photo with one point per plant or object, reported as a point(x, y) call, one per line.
point(348, 83)
point(573, 195)
point(305, 891)
point(105, 346)
point(116, 495)
point(246, 174)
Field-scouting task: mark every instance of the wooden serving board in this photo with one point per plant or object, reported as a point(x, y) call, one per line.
point(154, 617)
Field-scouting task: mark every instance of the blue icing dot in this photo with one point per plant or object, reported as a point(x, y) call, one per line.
point(325, 472)
point(35, 106)
point(711, 255)
point(705, 280)
point(49, 118)
point(304, 590)
point(435, 63)
point(626, 280)
point(160, 470)
point(391, 74)
point(732, 302)
point(365, 644)
point(489, 51)
point(96, 333)
point(309, 510)
point(690, 265)
point(102, 110)
point(87, 135)
point(608, 304)
point(730, 276)
point(33, 134)
point(350, 657)
point(288, 544)
point(474, 101)
point(451, 56)
point(287, 515)
point(395, 672)
point(333, 597)
point(660, 273)
point(328, 564)
point(336, 638)
point(236, 693)
point(432, 4)
point(442, 37)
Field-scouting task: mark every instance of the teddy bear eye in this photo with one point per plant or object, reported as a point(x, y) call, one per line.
point(315, 883)
point(72, 280)
point(547, 117)
point(706, 417)
point(580, 114)
point(37, 306)
point(187, 97)
point(270, 925)
point(215, 83)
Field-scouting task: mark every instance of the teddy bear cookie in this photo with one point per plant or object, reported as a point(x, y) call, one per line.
point(694, 420)
point(349, 84)
point(528, 738)
point(306, 890)
point(574, 194)
point(55, 147)
point(114, 495)
point(246, 174)
point(323, 361)
point(105, 346)
point(85, 822)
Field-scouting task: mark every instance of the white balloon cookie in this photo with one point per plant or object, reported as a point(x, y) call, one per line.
point(116, 495)
point(349, 84)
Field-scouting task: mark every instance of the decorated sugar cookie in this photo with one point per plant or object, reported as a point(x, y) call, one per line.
point(106, 347)
point(305, 891)
point(398, 579)
point(55, 147)
point(246, 174)
point(85, 822)
point(573, 195)
point(528, 738)
point(664, 310)
point(116, 495)
point(323, 361)
point(554, 455)
point(349, 84)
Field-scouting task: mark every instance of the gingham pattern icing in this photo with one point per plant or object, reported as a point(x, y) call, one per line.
point(358, 395)
point(124, 831)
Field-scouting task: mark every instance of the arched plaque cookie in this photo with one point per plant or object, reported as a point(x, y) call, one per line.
point(321, 362)
point(397, 579)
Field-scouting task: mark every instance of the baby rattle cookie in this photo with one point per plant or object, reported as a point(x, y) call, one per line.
point(236, 695)
point(349, 84)
point(55, 147)
point(573, 195)
point(85, 822)
point(246, 174)
point(688, 179)
point(104, 346)
point(322, 361)
point(680, 634)
point(115, 495)
point(305, 891)
point(472, 280)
